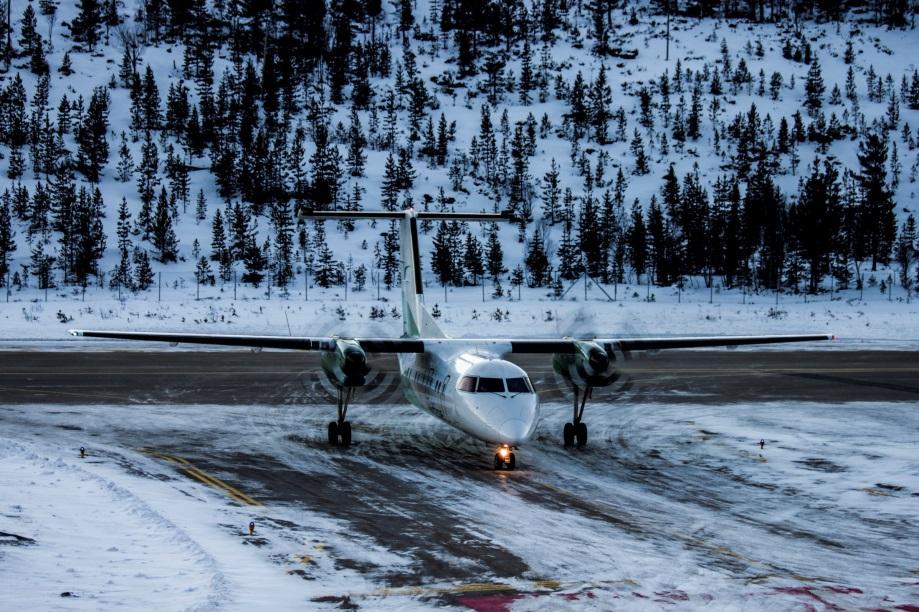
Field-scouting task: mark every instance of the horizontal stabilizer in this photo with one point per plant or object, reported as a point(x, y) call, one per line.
point(306, 213)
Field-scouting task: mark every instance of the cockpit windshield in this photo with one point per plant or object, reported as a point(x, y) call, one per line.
point(481, 384)
point(518, 385)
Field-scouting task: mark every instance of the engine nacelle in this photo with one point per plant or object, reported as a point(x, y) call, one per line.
point(588, 366)
point(346, 366)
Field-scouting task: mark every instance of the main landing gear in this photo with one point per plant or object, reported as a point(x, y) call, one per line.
point(340, 430)
point(576, 432)
point(504, 458)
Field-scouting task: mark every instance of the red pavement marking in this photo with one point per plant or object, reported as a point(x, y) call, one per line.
point(907, 608)
point(843, 589)
point(489, 603)
point(809, 592)
point(673, 595)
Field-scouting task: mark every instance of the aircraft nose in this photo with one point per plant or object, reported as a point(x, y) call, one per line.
point(513, 421)
point(513, 431)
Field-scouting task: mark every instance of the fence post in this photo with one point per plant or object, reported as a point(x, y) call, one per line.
point(861, 293)
point(269, 288)
point(197, 287)
point(234, 285)
point(159, 287)
point(7, 287)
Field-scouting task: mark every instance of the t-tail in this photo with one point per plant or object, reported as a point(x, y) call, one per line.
point(417, 322)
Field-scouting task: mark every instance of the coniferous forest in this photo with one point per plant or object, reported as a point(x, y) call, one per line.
point(764, 145)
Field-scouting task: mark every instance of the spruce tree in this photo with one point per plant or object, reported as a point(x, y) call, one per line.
point(93, 147)
point(125, 168)
point(86, 25)
point(905, 250)
point(147, 182)
point(390, 256)
point(443, 258)
point(144, 276)
point(537, 262)
point(638, 151)
point(472, 259)
point(551, 193)
point(123, 276)
point(636, 237)
point(163, 234)
point(356, 142)
point(283, 244)
point(7, 244)
point(390, 185)
point(814, 88)
point(601, 98)
point(200, 207)
point(494, 255)
point(877, 227)
point(29, 37)
point(815, 219)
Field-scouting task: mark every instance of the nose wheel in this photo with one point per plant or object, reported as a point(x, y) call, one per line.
point(575, 434)
point(505, 459)
point(340, 430)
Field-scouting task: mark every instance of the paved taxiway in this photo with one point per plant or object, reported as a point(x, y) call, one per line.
point(672, 499)
point(285, 378)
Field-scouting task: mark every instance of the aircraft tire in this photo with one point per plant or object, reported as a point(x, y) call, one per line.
point(345, 432)
point(333, 433)
point(581, 434)
point(568, 435)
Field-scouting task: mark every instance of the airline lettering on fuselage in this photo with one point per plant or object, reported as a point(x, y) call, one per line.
point(431, 387)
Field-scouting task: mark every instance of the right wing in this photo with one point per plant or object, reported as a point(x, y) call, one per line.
point(567, 345)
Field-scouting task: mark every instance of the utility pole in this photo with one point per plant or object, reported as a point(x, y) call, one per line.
point(8, 50)
point(667, 56)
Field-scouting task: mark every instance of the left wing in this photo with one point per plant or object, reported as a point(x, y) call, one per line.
point(298, 343)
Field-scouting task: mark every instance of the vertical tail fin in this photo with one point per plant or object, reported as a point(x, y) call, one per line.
point(417, 322)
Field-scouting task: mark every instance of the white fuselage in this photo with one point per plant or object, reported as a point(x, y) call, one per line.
point(475, 391)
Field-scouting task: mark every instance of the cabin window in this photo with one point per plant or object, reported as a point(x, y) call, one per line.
point(490, 385)
point(519, 385)
point(466, 383)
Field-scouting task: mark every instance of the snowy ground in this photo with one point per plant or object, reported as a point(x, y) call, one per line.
point(670, 506)
point(862, 319)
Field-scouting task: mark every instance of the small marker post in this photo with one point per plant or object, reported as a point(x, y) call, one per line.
point(82, 453)
point(251, 528)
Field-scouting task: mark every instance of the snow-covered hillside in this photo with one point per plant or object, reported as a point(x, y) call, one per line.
point(284, 132)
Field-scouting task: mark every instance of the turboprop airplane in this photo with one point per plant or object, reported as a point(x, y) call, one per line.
point(466, 383)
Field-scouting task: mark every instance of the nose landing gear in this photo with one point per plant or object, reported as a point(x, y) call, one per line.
point(576, 432)
point(504, 458)
point(340, 430)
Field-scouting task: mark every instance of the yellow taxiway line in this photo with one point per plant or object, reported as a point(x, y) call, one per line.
point(202, 476)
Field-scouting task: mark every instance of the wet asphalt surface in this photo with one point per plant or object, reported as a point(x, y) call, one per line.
point(425, 492)
point(290, 378)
